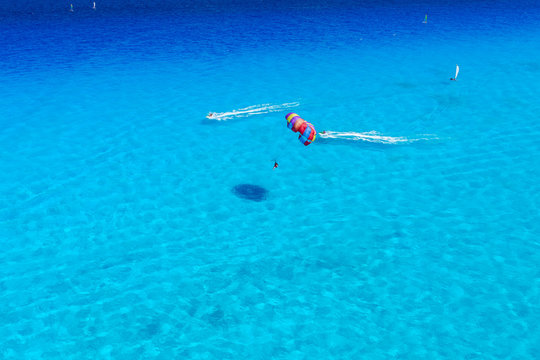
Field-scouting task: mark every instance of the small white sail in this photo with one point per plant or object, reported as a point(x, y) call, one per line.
point(94, 7)
point(457, 72)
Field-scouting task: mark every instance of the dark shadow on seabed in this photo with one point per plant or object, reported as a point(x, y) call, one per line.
point(250, 192)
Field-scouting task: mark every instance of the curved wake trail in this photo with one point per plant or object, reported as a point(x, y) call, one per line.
point(251, 110)
point(373, 137)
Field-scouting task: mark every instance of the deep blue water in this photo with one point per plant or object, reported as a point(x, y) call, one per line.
point(133, 227)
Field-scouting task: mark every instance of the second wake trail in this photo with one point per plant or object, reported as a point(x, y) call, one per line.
point(250, 110)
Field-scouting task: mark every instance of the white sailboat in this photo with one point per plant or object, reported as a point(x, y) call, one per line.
point(94, 7)
point(457, 72)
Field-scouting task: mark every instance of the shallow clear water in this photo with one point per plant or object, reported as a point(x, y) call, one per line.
point(125, 236)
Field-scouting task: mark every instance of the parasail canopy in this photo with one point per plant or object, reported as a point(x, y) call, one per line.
point(306, 130)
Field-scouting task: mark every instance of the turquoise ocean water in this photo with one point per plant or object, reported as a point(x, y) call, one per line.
point(123, 237)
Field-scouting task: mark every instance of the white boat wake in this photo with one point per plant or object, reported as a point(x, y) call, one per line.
point(250, 110)
point(373, 137)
